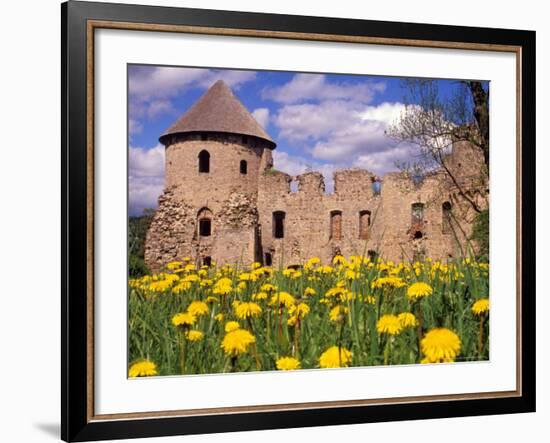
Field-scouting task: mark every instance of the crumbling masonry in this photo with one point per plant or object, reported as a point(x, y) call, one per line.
point(224, 202)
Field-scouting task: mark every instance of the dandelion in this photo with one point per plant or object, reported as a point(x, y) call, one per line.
point(388, 283)
point(198, 308)
point(300, 310)
point(338, 260)
point(389, 324)
point(282, 299)
point(219, 317)
point(268, 287)
point(338, 313)
point(407, 320)
point(247, 310)
point(237, 342)
point(231, 326)
point(259, 296)
point(418, 290)
point(440, 345)
point(309, 291)
point(335, 357)
point(142, 368)
point(184, 319)
point(194, 335)
point(481, 307)
point(287, 364)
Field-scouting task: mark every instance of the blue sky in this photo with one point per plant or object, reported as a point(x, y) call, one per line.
point(319, 121)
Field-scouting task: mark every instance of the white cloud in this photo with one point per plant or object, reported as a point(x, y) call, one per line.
point(304, 87)
point(151, 89)
point(385, 161)
point(134, 127)
point(342, 132)
point(156, 108)
point(262, 116)
point(146, 177)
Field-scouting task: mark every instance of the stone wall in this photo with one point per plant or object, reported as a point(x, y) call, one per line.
point(353, 220)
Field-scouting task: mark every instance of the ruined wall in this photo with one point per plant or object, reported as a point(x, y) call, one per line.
point(307, 224)
point(441, 232)
point(353, 220)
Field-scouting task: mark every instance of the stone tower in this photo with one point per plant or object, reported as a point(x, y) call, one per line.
point(215, 155)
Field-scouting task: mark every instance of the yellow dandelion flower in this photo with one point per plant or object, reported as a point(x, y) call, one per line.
point(388, 282)
point(481, 307)
point(198, 308)
point(282, 299)
point(194, 335)
point(211, 299)
point(338, 312)
point(313, 261)
point(142, 368)
point(440, 345)
point(300, 310)
point(268, 287)
point(338, 260)
point(174, 265)
point(287, 364)
point(219, 317)
point(389, 324)
point(418, 290)
point(247, 310)
point(231, 326)
point(183, 319)
point(335, 357)
point(309, 291)
point(259, 296)
point(407, 320)
point(237, 342)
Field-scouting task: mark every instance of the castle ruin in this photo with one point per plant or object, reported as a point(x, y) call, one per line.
point(224, 202)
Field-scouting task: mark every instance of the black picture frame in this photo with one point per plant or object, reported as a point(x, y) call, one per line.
point(77, 424)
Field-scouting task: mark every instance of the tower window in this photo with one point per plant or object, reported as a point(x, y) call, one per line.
point(204, 161)
point(243, 167)
point(336, 225)
point(205, 227)
point(364, 224)
point(268, 259)
point(278, 224)
point(417, 213)
point(207, 261)
point(204, 219)
point(446, 208)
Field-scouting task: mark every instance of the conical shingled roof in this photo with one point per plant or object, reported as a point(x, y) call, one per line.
point(218, 110)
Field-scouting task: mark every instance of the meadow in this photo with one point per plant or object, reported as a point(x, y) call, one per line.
point(351, 312)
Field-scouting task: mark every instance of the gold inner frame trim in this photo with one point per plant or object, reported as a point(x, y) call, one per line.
point(92, 25)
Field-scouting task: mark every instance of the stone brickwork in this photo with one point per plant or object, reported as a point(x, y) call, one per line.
point(240, 214)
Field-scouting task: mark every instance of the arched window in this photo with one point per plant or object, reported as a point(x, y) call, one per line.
point(417, 213)
point(446, 209)
point(243, 167)
point(279, 224)
point(204, 161)
point(268, 259)
point(336, 225)
point(204, 219)
point(207, 261)
point(364, 224)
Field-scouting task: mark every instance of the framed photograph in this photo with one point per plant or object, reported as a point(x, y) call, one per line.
point(277, 221)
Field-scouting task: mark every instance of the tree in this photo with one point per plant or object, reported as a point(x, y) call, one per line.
point(434, 123)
